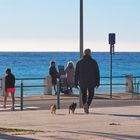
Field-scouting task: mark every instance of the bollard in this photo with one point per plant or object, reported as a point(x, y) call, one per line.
point(58, 94)
point(129, 84)
point(21, 95)
point(48, 85)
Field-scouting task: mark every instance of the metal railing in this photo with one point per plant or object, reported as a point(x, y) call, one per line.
point(105, 83)
point(20, 84)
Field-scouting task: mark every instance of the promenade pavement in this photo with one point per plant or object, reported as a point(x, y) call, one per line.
point(43, 102)
point(110, 123)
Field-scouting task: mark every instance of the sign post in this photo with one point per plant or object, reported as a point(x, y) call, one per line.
point(112, 50)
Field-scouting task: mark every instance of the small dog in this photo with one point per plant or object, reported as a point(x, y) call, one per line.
point(53, 109)
point(72, 108)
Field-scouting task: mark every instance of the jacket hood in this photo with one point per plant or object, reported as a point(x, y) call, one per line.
point(87, 57)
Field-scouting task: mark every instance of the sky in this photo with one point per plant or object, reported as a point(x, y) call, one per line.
point(53, 25)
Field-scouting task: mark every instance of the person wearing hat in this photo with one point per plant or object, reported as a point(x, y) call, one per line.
point(87, 76)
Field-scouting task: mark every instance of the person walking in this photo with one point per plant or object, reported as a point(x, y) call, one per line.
point(9, 87)
point(70, 75)
point(54, 75)
point(87, 76)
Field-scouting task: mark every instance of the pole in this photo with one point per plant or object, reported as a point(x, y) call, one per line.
point(21, 96)
point(81, 43)
point(111, 71)
point(112, 49)
point(58, 94)
point(81, 28)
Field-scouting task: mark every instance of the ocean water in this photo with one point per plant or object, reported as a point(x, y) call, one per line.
point(36, 65)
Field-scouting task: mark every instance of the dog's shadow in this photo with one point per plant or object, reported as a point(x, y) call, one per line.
point(58, 114)
point(90, 113)
point(76, 113)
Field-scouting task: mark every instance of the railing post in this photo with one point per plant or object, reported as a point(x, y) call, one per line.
point(135, 82)
point(58, 94)
point(138, 87)
point(80, 99)
point(21, 95)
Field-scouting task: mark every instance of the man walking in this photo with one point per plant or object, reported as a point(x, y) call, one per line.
point(87, 76)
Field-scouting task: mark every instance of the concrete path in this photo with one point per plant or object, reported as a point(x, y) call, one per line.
point(117, 123)
point(44, 102)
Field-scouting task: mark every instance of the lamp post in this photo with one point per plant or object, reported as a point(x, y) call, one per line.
point(81, 28)
point(111, 42)
point(81, 43)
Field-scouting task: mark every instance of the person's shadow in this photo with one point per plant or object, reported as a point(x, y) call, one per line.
point(11, 137)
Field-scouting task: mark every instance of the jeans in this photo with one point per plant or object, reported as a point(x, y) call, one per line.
point(87, 98)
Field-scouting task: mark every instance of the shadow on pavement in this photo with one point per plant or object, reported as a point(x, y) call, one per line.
point(60, 114)
point(12, 137)
point(119, 115)
point(106, 135)
point(111, 135)
point(126, 115)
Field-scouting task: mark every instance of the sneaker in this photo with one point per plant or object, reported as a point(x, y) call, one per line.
point(86, 108)
point(12, 108)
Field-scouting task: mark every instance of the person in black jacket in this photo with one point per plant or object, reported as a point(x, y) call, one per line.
point(54, 75)
point(9, 87)
point(87, 76)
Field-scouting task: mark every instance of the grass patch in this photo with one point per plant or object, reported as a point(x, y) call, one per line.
point(18, 131)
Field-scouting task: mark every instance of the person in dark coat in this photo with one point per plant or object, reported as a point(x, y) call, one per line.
point(54, 75)
point(87, 76)
point(9, 87)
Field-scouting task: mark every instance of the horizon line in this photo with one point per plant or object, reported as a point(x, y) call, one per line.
point(16, 51)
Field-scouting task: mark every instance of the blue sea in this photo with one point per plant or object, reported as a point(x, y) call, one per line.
point(36, 65)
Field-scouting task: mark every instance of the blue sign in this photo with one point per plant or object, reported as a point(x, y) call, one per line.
point(111, 38)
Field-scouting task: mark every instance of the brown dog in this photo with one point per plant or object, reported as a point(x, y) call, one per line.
point(53, 109)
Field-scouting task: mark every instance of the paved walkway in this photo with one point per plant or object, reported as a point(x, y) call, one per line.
point(74, 96)
point(43, 102)
point(117, 123)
